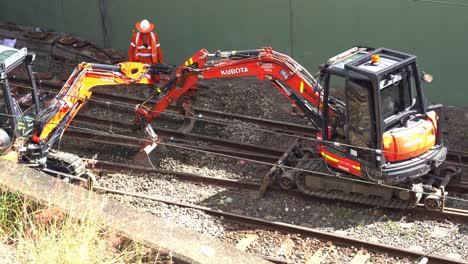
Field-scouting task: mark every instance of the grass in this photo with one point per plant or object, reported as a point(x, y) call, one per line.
point(11, 213)
point(48, 235)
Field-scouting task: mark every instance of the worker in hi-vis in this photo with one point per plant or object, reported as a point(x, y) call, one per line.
point(145, 46)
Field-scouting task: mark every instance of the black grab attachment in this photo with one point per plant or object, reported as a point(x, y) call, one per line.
point(161, 68)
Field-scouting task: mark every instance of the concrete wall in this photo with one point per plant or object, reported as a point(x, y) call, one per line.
point(309, 30)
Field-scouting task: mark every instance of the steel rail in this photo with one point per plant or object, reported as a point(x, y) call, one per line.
point(453, 213)
point(458, 156)
point(221, 146)
point(119, 140)
point(461, 184)
point(175, 135)
point(181, 138)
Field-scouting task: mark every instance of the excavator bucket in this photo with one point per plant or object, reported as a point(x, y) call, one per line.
point(150, 155)
point(187, 126)
point(189, 120)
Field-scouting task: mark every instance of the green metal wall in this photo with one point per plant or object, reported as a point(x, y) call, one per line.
point(309, 30)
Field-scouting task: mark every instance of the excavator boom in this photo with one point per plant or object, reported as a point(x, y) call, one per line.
point(291, 79)
point(53, 120)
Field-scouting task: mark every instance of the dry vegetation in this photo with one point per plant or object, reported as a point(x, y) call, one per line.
point(30, 233)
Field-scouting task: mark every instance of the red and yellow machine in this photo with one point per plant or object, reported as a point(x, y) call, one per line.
point(381, 132)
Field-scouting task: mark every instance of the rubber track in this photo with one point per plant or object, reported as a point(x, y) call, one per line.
point(348, 197)
point(67, 159)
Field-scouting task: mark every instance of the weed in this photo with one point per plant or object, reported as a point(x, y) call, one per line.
point(13, 210)
point(50, 235)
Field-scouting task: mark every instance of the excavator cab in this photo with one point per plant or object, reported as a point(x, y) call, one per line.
point(390, 133)
point(18, 106)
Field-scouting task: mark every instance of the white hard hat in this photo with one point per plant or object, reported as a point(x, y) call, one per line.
point(144, 24)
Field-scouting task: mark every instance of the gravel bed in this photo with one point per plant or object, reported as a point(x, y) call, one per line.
point(127, 115)
point(246, 96)
point(457, 201)
point(455, 125)
point(380, 225)
point(234, 130)
point(176, 159)
point(297, 249)
point(289, 246)
point(90, 150)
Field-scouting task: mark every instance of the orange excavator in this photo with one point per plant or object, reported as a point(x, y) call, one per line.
point(380, 134)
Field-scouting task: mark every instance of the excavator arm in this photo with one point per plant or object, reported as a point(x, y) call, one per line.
point(291, 79)
point(53, 120)
point(288, 76)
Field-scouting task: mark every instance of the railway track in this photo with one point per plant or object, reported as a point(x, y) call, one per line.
point(458, 156)
point(180, 139)
point(278, 226)
point(460, 184)
point(452, 213)
point(275, 226)
point(220, 146)
point(101, 97)
point(246, 151)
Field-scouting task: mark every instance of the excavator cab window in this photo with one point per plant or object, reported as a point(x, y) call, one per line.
point(25, 111)
point(396, 93)
point(359, 118)
point(337, 87)
point(337, 92)
point(3, 109)
point(17, 106)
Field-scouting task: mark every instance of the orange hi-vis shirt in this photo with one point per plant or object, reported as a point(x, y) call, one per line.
point(145, 48)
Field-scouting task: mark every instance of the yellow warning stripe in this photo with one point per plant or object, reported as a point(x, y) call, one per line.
point(301, 88)
point(358, 167)
point(189, 62)
point(329, 157)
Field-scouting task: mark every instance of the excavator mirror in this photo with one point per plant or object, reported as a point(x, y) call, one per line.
point(427, 78)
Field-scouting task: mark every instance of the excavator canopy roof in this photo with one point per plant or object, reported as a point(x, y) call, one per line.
point(360, 63)
point(10, 57)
